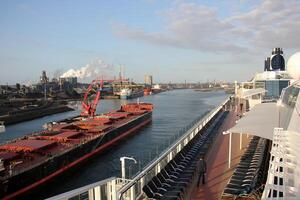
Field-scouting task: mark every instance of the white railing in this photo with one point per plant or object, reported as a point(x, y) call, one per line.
point(102, 190)
point(284, 169)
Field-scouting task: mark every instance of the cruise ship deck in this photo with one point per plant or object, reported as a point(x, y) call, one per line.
point(218, 170)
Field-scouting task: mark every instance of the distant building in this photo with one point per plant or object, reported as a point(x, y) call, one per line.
point(54, 80)
point(67, 82)
point(44, 79)
point(148, 80)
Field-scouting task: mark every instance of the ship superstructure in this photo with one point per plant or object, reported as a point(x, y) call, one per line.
point(130, 93)
point(270, 162)
point(267, 85)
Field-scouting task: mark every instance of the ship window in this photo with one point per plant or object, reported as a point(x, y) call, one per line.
point(274, 193)
point(281, 159)
point(290, 96)
point(259, 84)
point(275, 180)
point(280, 181)
point(274, 88)
point(280, 194)
point(257, 96)
point(281, 169)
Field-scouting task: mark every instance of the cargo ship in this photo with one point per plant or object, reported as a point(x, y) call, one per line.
point(29, 162)
point(128, 93)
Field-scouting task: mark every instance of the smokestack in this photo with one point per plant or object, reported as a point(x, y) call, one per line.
point(267, 64)
point(277, 62)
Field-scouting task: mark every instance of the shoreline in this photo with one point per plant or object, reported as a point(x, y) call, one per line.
point(33, 114)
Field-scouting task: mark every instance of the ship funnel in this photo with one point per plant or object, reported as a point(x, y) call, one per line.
point(277, 62)
point(267, 64)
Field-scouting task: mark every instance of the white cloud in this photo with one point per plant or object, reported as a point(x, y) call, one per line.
point(192, 26)
point(188, 26)
point(273, 23)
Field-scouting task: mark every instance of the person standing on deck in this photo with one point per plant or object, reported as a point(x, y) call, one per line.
point(202, 171)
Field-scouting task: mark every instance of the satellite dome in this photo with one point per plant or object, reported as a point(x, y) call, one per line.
point(293, 66)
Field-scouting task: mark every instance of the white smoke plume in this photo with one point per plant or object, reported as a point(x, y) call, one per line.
point(96, 68)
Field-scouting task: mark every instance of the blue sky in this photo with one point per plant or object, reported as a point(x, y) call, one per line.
point(172, 40)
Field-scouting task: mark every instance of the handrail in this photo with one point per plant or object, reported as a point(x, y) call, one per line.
point(81, 189)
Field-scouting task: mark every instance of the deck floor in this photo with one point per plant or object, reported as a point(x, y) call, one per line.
point(218, 172)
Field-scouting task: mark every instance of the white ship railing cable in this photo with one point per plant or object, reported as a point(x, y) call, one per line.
point(176, 146)
point(94, 190)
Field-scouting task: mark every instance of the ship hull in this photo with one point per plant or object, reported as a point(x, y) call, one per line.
point(39, 175)
point(133, 95)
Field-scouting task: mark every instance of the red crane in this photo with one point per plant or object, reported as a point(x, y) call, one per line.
point(89, 108)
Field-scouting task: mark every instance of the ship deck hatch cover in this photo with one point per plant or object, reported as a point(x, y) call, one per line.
point(66, 135)
point(27, 145)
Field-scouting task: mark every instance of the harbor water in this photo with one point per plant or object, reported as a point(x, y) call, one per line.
point(173, 110)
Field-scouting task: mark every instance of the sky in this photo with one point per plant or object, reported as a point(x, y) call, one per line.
point(173, 40)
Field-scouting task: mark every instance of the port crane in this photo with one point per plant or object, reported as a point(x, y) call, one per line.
point(89, 108)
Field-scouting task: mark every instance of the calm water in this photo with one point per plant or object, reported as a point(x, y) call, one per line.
point(173, 110)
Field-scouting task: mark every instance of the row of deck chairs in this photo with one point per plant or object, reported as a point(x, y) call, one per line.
point(179, 174)
point(249, 172)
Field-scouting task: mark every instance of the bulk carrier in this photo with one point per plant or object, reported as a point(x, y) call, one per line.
point(29, 162)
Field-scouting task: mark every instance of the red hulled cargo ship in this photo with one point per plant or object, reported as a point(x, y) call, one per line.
point(29, 162)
